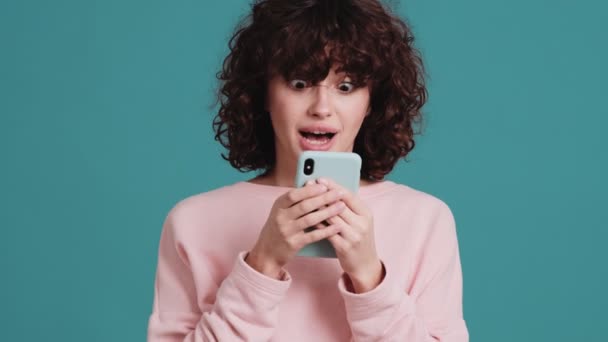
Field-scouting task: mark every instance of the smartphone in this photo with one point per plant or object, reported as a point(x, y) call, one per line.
point(343, 168)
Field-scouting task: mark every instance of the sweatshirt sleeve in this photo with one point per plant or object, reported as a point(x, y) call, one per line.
point(431, 311)
point(244, 307)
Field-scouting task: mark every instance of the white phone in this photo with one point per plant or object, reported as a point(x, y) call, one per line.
point(343, 168)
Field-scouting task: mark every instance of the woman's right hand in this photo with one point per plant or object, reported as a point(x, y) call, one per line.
point(283, 234)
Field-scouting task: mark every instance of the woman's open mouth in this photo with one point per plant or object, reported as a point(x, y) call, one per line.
point(318, 141)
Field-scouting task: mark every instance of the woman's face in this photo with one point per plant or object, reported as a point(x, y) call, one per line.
point(325, 116)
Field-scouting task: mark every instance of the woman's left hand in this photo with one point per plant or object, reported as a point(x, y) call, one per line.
point(355, 244)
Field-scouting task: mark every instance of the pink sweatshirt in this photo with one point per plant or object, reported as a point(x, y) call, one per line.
point(204, 290)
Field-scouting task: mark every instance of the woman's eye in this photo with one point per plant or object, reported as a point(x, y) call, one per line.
point(346, 87)
point(298, 84)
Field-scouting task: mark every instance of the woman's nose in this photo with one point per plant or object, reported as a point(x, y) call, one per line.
point(320, 105)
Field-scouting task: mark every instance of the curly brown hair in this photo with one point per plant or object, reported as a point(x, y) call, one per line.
point(307, 37)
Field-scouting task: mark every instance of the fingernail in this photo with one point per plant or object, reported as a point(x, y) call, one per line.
point(309, 182)
point(322, 181)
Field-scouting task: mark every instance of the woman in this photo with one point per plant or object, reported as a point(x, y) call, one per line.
point(323, 75)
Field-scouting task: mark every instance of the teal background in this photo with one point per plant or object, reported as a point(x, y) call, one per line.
point(105, 123)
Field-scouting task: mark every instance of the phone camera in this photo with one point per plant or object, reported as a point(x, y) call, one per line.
point(309, 166)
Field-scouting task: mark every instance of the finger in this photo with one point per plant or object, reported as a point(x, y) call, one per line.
point(294, 196)
point(318, 216)
point(317, 235)
point(310, 204)
point(317, 226)
point(347, 237)
point(338, 242)
point(346, 230)
point(351, 200)
point(349, 216)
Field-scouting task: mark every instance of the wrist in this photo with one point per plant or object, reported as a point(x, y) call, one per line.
point(264, 265)
point(367, 281)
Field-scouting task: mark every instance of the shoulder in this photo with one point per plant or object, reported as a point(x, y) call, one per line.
point(429, 218)
point(201, 207)
point(208, 198)
point(405, 195)
point(423, 210)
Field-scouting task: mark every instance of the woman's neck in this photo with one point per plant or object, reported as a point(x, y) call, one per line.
point(273, 178)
